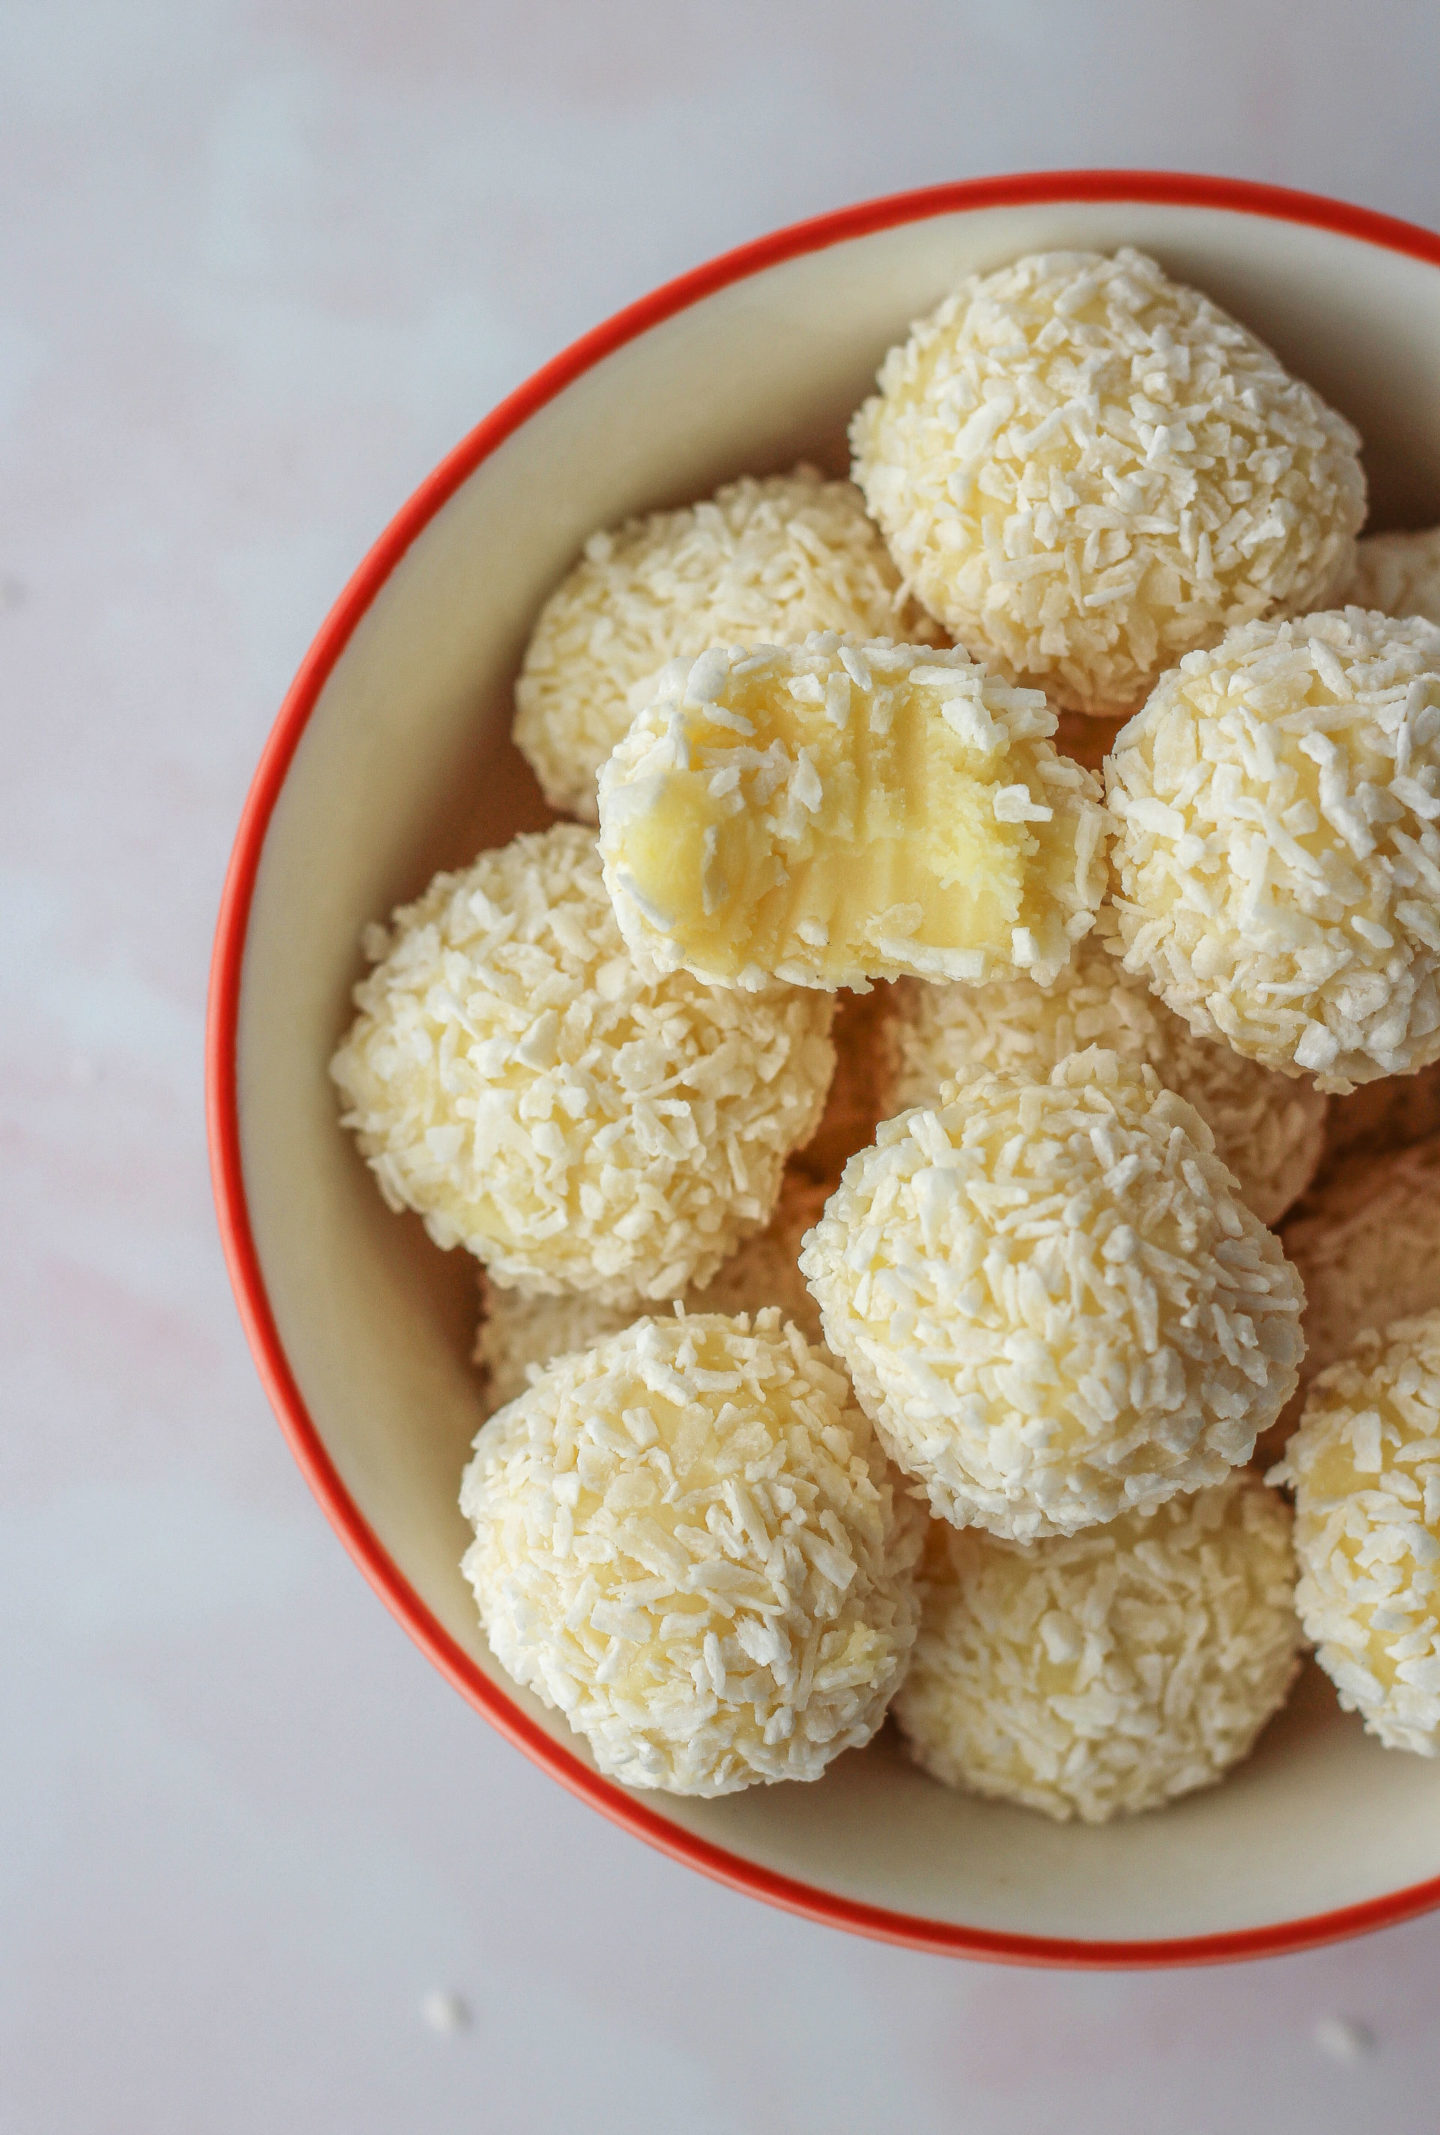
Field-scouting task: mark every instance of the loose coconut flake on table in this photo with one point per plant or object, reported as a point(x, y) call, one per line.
point(1268, 1128)
point(1053, 1300)
point(1087, 470)
point(514, 1078)
point(1365, 1467)
point(1278, 848)
point(835, 812)
point(1100, 1674)
point(760, 562)
point(688, 1541)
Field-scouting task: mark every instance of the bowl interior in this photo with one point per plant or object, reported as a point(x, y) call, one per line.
point(405, 766)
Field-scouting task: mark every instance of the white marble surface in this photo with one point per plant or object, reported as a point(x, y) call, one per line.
point(263, 261)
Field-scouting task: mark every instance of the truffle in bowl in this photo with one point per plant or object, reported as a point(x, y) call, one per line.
point(392, 759)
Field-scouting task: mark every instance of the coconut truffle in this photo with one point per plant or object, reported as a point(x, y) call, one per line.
point(767, 561)
point(519, 1334)
point(833, 812)
point(1397, 573)
point(1365, 1465)
point(1052, 1299)
point(1099, 1674)
point(513, 1078)
point(1087, 470)
point(1278, 852)
point(1268, 1129)
point(688, 1541)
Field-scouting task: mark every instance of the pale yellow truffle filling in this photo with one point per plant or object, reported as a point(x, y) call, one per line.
point(836, 812)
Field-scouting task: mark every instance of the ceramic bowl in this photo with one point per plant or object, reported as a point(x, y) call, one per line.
point(391, 758)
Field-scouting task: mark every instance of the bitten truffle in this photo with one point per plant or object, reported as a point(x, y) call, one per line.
point(517, 1333)
point(1053, 1300)
point(1087, 470)
point(1104, 1673)
point(1277, 847)
point(762, 562)
point(688, 1541)
point(834, 812)
point(513, 1078)
point(1268, 1128)
point(1365, 1465)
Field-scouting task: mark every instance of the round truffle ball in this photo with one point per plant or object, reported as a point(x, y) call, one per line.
point(1277, 847)
point(1052, 1299)
point(518, 1334)
point(835, 812)
point(759, 562)
point(513, 1078)
point(1087, 470)
point(1095, 1675)
point(1268, 1128)
point(688, 1541)
point(1397, 573)
point(1365, 1465)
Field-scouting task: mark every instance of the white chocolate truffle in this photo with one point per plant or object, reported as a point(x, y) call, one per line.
point(1367, 1247)
point(513, 1078)
point(1365, 1465)
point(1268, 1128)
point(1397, 573)
point(1052, 1299)
point(833, 812)
point(1100, 1674)
point(1278, 853)
point(688, 1541)
point(1087, 470)
point(519, 1335)
point(759, 562)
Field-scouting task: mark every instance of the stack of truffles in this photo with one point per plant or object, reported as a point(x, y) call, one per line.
point(879, 1130)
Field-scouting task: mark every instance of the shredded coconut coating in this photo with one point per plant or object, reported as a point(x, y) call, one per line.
point(516, 1080)
point(1101, 1674)
point(688, 1541)
point(1278, 853)
point(1052, 1299)
point(834, 812)
point(759, 562)
point(1397, 573)
point(1268, 1129)
point(520, 1335)
point(1365, 1466)
point(1087, 470)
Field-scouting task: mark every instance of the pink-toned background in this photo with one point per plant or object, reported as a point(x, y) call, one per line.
point(262, 264)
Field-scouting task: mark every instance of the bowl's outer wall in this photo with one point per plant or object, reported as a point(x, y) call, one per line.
point(404, 766)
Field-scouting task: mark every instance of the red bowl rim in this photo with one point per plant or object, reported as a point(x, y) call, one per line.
point(914, 1931)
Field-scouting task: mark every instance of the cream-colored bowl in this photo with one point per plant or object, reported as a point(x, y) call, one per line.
point(391, 758)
